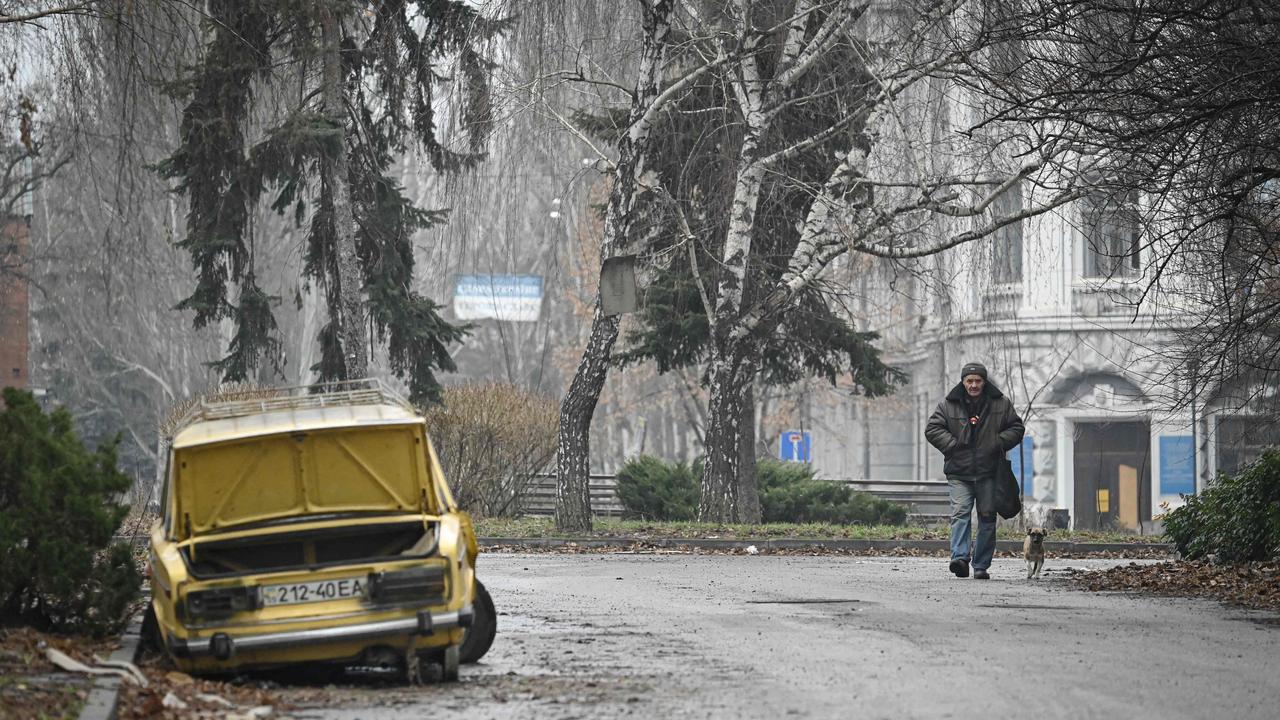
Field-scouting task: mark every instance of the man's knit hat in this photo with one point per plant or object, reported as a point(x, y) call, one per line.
point(973, 368)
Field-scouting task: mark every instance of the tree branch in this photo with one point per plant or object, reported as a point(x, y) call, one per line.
point(76, 9)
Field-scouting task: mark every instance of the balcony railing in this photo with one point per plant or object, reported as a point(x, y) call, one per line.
point(1106, 297)
point(1002, 301)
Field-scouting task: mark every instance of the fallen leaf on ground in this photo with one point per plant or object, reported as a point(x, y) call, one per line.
point(675, 547)
point(1252, 585)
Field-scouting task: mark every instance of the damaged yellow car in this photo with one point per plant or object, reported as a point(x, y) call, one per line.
point(303, 526)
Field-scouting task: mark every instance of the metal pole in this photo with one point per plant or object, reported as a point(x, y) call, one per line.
point(1195, 446)
point(1195, 428)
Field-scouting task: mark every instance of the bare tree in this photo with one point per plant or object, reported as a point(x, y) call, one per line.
point(104, 273)
point(899, 180)
point(1180, 98)
point(573, 500)
point(31, 152)
point(32, 12)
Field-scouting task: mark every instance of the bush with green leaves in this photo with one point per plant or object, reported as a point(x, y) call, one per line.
point(650, 489)
point(59, 510)
point(1237, 519)
point(790, 493)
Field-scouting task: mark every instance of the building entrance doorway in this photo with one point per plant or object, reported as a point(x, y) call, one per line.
point(1112, 470)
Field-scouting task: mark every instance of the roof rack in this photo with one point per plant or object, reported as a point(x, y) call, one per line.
point(238, 403)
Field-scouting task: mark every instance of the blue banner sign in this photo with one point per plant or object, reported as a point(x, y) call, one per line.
point(1023, 464)
point(502, 297)
point(1177, 465)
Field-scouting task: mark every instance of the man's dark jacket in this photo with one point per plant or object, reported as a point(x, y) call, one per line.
point(974, 450)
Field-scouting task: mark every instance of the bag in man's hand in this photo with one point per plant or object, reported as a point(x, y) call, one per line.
point(1008, 497)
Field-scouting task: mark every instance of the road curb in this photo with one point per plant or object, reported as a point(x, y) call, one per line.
point(847, 544)
point(104, 699)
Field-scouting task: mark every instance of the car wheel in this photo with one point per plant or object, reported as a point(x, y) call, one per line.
point(484, 626)
point(449, 664)
point(149, 634)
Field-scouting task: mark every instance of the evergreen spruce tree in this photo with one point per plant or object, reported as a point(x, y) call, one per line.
point(363, 78)
point(59, 511)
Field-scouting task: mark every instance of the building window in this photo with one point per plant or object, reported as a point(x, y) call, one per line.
point(1007, 241)
point(1241, 440)
point(1111, 240)
point(1110, 229)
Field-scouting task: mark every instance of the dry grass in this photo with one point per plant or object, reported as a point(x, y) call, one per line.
point(540, 527)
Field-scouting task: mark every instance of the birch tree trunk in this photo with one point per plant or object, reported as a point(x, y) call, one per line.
point(721, 497)
point(727, 496)
point(573, 494)
point(349, 315)
point(730, 488)
point(573, 458)
point(748, 480)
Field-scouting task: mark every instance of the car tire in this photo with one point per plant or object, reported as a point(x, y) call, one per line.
point(449, 664)
point(149, 633)
point(484, 626)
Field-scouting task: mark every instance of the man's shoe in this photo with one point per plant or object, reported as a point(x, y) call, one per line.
point(981, 575)
point(960, 567)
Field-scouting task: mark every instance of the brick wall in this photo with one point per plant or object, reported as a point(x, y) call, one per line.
point(14, 305)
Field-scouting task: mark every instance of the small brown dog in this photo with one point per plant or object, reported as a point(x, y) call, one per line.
point(1033, 550)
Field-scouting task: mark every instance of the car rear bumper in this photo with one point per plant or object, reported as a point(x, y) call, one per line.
point(223, 646)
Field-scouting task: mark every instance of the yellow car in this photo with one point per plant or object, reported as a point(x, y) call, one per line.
point(303, 526)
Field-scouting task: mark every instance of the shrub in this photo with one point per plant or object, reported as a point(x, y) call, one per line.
point(493, 440)
point(59, 511)
point(1238, 519)
point(790, 493)
point(651, 489)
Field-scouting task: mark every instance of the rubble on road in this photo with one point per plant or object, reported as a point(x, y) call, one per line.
point(1251, 585)
point(171, 695)
point(32, 686)
point(123, 670)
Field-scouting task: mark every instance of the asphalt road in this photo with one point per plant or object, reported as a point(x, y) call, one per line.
point(724, 636)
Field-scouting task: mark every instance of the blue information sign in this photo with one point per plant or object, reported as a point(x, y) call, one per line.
point(1177, 466)
point(1023, 460)
point(504, 297)
point(796, 446)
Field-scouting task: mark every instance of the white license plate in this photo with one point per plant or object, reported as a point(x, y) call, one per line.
point(309, 592)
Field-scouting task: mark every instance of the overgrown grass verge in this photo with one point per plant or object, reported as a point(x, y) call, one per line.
point(541, 527)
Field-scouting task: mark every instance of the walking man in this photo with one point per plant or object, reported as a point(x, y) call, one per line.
point(974, 425)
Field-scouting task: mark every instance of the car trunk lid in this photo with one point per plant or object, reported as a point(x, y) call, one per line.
point(377, 468)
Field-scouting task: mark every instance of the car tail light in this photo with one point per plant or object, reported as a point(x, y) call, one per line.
point(412, 585)
point(222, 602)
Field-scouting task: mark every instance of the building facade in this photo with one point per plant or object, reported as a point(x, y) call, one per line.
point(1057, 308)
